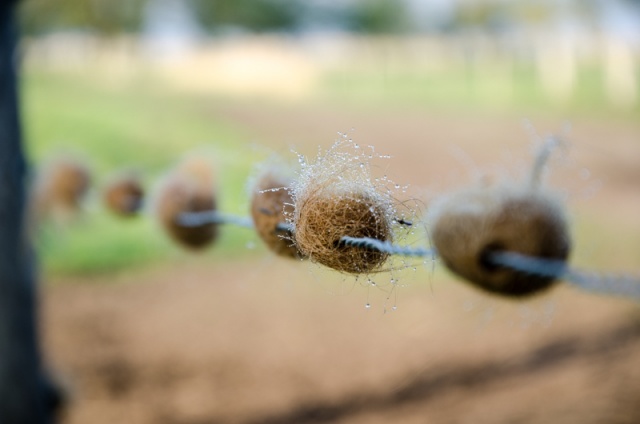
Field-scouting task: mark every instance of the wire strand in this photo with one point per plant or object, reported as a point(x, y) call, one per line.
point(197, 219)
point(386, 247)
point(618, 285)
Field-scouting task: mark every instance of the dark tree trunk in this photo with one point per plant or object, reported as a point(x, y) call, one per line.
point(22, 386)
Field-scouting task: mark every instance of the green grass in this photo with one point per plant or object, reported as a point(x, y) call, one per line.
point(113, 127)
point(99, 243)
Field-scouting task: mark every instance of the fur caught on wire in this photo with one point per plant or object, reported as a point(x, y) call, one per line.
point(335, 197)
point(509, 238)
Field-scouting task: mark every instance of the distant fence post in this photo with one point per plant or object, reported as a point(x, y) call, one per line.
point(23, 387)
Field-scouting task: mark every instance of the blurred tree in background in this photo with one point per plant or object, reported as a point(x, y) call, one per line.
point(255, 15)
point(106, 17)
point(379, 17)
point(112, 17)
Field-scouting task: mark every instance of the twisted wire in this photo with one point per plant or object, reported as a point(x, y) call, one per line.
point(386, 247)
point(197, 219)
point(618, 285)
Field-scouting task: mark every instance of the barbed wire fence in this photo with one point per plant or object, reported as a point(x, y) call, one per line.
point(509, 238)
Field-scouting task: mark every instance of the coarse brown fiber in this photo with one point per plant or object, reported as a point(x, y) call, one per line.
point(468, 225)
point(326, 216)
point(124, 195)
point(189, 188)
point(271, 202)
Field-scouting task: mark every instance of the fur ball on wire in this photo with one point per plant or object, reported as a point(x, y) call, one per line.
point(271, 203)
point(124, 195)
point(467, 226)
point(336, 197)
point(60, 188)
point(188, 188)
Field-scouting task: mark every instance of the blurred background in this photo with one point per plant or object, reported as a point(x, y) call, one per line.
point(142, 331)
point(104, 80)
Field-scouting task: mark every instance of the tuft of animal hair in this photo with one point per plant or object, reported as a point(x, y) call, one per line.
point(469, 225)
point(188, 188)
point(271, 203)
point(336, 197)
point(60, 188)
point(124, 194)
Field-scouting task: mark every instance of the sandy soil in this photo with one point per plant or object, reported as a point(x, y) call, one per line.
point(275, 342)
point(265, 340)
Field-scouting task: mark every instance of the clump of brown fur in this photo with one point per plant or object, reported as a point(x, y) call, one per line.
point(60, 188)
point(336, 197)
point(124, 195)
point(189, 188)
point(271, 202)
point(324, 218)
point(468, 225)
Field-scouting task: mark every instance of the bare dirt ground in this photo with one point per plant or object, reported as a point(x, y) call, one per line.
point(265, 340)
point(270, 341)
